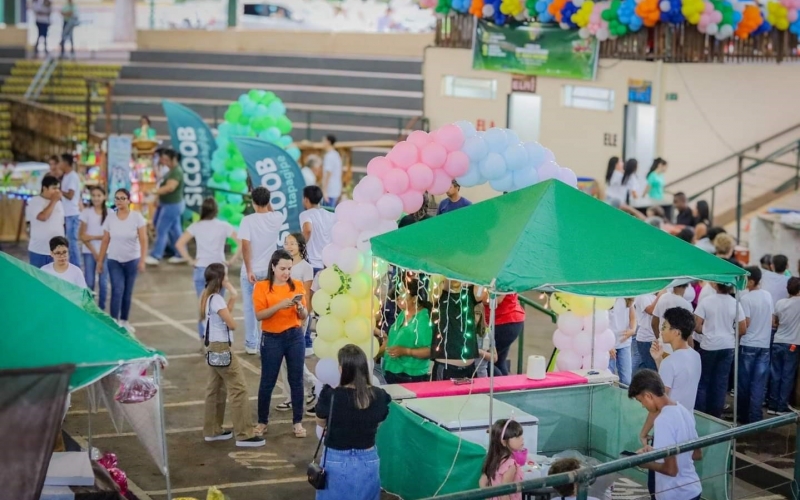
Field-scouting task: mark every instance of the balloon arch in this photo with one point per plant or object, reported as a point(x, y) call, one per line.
point(395, 184)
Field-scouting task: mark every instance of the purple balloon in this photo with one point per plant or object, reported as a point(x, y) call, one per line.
point(548, 170)
point(567, 176)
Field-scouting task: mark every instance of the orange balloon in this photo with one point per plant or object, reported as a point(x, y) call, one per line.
point(555, 8)
point(476, 8)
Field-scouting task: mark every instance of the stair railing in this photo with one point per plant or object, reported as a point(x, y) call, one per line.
point(41, 79)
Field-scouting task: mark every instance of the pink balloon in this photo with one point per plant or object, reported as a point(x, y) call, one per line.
point(412, 201)
point(434, 155)
point(346, 210)
point(330, 254)
point(792, 16)
point(367, 217)
point(457, 164)
point(404, 154)
point(441, 182)
point(344, 234)
point(386, 226)
point(549, 156)
point(562, 341)
point(390, 207)
point(396, 181)
point(548, 170)
point(419, 138)
point(568, 361)
point(420, 177)
point(368, 190)
point(451, 137)
point(378, 166)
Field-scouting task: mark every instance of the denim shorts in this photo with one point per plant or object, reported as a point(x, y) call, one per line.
point(351, 474)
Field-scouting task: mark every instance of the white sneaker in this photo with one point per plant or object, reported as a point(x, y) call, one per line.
point(126, 325)
point(251, 350)
point(176, 260)
point(151, 261)
point(253, 442)
point(309, 352)
point(226, 435)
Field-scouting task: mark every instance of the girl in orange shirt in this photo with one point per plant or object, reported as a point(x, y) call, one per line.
point(280, 305)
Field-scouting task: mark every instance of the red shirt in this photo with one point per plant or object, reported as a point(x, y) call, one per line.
point(508, 311)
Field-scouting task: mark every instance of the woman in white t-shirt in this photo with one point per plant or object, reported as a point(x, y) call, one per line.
point(91, 234)
point(719, 318)
point(125, 243)
point(210, 235)
point(295, 244)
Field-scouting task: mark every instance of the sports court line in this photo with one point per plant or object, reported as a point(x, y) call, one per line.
point(145, 324)
point(173, 431)
point(166, 405)
point(298, 479)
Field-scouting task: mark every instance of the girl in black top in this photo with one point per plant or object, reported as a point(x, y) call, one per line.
point(351, 414)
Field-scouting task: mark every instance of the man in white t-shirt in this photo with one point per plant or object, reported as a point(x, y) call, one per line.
point(775, 281)
point(260, 233)
point(754, 348)
point(676, 477)
point(317, 224)
point(643, 306)
point(783, 361)
point(45, 213)
point(61, 267)
point(668, 300)
point(71, 200)
point(622, 322)
point(331, 172)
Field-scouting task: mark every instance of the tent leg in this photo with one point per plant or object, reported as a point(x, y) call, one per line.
point(735, 393)
point(89, 420)
point(594, 318)
point(163, 428)
point(492, 347)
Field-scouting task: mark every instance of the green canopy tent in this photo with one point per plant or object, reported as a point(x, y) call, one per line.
point(47, 322)
point(548, 237)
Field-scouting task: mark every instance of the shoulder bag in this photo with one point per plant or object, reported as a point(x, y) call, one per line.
point(216, 359)
point(316, 472)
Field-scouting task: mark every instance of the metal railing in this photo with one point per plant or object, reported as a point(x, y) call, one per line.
point(583, 476)
point(528, 303)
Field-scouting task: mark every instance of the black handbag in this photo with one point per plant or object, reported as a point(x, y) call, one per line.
point(316, 472)
point(217, 359)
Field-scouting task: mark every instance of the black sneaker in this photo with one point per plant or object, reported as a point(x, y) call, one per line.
point(311, 411)
point(226, 435)
point(253, 442)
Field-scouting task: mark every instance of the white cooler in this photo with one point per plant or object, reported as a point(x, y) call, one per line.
point(474, 421)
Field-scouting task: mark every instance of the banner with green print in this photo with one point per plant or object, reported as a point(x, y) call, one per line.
point(536, 49)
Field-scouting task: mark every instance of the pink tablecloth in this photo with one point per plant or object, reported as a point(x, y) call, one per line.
point(501, 384)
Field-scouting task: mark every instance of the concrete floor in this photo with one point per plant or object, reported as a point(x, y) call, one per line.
point(164, 310)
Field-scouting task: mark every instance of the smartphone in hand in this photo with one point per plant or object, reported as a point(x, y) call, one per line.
point(297, 298)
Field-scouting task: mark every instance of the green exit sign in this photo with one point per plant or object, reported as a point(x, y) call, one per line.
point(672, 96)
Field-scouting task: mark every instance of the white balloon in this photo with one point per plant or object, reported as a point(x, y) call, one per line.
point(583, 33)
point(390, 207)
point(386, 226)
point(327, 371)
point(368, 190)
point(350, 260)
point(363, 244)
point(582, 343)
point(330, 254)
point(605, 341)
point(567, 361)
point(570, 323)
point(562, 341)
point(600, 322)
point(665, 6)
point(488, 10)
point(367, 216)
point(344, 234)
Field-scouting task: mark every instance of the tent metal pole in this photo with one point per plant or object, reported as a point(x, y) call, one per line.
point(163, 428)
point(89, 419)
point(735, 388)
point(492, 311)
point(594, 319)
point(372, 314)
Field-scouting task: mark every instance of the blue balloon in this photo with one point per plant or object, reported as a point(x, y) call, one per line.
point(244, 99)
point(503, 184)
point(546, 17)
point(294, 152)
point(492, 167)
point(472, 177)
point(516, 157)
point(475, 147)
point(219, 185)
point(495, 139)
point(541, 6)
point(525, 177)
point(272, 134)
point(238, 176)
point(234, 199)
point(276, 108)
point(467, 128)
point(536, 154)
point(285, 141)
point(224, 129)
point(511, 137)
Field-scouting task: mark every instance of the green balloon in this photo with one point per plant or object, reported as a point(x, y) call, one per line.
point(270, 122)
point(220, 197)
point(233, 113)
point(284, 125)
point(239, 187)
point(219, 176)
point(267, 98)
point(244, 120)
point(235, 219)
point(256, 95)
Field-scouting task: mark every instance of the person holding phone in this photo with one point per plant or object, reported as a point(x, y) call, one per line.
point(279, 303)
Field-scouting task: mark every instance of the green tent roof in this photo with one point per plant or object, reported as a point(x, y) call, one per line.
point(47, 321)
point(551, 236)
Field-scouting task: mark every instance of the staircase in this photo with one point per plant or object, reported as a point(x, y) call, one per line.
point(66, 87)
point(356, 99)
point(8, 57)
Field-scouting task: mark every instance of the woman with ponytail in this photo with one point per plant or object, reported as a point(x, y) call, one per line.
point(91, 234)
point(408, 348)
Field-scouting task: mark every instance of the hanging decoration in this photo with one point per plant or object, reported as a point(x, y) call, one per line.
point(722, 19)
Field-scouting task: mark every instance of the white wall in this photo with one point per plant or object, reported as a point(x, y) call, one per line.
point(741, 103)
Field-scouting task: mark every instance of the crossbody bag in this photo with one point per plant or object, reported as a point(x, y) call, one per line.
point(217, 359)
point(317, 476)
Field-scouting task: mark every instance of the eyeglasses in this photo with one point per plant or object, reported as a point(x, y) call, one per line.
point(61, 253)
point(117, 198)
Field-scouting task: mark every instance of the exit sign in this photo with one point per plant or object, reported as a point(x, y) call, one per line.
point(672, 96)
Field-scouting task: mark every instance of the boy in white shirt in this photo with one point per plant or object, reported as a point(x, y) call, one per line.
point(644, 306)
point(46, 217)
point(71, 200)
point(316, 224)
point(61, 267)
point(675, 476)
point(783, 362)
point(668, 300)
point(331, 172)
point(754, 348)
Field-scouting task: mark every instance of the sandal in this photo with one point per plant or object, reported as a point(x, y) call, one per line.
point(260, 429)
point(300, 432)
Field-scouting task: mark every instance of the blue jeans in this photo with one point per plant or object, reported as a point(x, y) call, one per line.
point(275, 347)
point(330, 202)
point(716, 367)
point(198, 276)
point(753, 369)
point(621, 366)
point(504, 337)
point(168, 227)
point(782, 367)
point(39, 260)
point(352, 474)
point(90, 272)
point(645, 359)
point(72, 225)
point(252, 327)
point(123, 277)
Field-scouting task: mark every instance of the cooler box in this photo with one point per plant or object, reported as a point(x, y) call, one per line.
point(474, 420)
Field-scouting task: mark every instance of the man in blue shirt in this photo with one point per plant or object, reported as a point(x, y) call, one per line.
point(454, 200)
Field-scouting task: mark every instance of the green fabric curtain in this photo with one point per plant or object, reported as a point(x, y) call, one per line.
point(47, 321)
point(551, 237)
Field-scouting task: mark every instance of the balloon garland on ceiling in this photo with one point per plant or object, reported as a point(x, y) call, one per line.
point(722, 19)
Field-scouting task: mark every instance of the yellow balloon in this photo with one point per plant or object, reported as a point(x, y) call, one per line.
point(360, 285)
point(558, 303)
point(344, 306)
point(321, 301)
point(369, 307)
point(605, 303)
point(357, 329)
point(365, 346)
point(581, 306)
point(322, 348)
point(330, 281)
point(338, 344)
point(329, 328)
